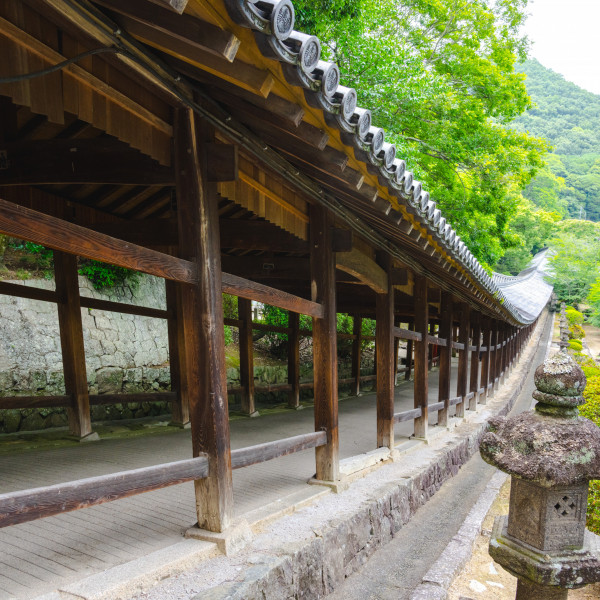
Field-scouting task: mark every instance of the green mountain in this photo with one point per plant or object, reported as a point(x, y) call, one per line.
point(569, 118)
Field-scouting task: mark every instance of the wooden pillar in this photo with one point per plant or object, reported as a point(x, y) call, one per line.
point(421, 393)
point(486, 360)
point(503, 360)
point(356, 353)
point(384, 342)
point(494, 362)
point(180, 408)
point(409, 354)
point(73, 350)
point(294, 359)
point(322, 268)
point(464, 331)
point(246, 357)
point(475, 362)
point(445, 331)
point(197, 213)
point(430, 331)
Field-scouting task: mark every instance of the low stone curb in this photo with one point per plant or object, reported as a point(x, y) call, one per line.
point(458, 551)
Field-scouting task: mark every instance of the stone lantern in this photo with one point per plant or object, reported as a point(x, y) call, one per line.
point(551, 454)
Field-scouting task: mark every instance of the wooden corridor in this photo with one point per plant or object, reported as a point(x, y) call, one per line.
point(182, 145)
point(36, 558)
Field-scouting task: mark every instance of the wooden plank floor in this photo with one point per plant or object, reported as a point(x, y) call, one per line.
point(36, 557)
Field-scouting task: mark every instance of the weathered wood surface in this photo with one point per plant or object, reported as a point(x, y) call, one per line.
point(439, 407)
point(34, 226)
point(121, 307)
point(356, 354)
point(232, 284)
point(71, 341)
point(407, 415)
point(202, 313)
point(106, 399)
point(364, 268)
point(464, 331)
point(421, 376)
point(29, 505)
point(252, 455)
point(322, 267)
point(384, 333)
point(12, 402)
point(446, 321)
point(27, 291)
point(184, 33)
point(475, 360)
point(180, 407)
point(293, 356)
point(407, 334)
point(246, 356)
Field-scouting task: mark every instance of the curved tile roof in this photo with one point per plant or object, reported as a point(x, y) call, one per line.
point(528, 291)
point(300, 54)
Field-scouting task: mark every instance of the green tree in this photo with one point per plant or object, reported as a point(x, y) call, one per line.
point(575, 265)
point(439, 77)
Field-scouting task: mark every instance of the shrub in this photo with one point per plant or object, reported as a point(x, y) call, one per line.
point(590, 368)
point(105, 276)
point(574, 317)
point(576, 345)
point(576, 332)
point(591, 410)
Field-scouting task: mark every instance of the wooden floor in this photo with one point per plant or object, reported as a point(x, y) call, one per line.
point(36, 557)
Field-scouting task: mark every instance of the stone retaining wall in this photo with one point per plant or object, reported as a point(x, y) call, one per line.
point(124, 353)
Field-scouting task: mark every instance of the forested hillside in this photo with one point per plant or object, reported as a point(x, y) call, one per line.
point(569, 118)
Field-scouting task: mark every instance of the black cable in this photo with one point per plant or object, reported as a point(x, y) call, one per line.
point(59, 66)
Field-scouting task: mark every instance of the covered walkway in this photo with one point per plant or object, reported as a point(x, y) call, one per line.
point(37, 557)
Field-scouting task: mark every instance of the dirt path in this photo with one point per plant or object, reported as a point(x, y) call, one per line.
point(592, 339)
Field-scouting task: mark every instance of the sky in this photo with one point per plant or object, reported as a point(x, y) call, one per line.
point(565, 36)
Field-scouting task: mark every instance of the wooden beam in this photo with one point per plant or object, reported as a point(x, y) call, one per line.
point(26, 291)
point(365, 269)
point(464, 332)
point(34, 226)
point(73, 349)
point(180, 408)
point(293, 347)
point(232, 284)
point(322, 266)
point(421, 379)
point(202, 303)
point(385, 362)
point(246, 356)
point(253, 455)
point(183, 33)
point(102, 160)
point(446, 320)
point(29, 505)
